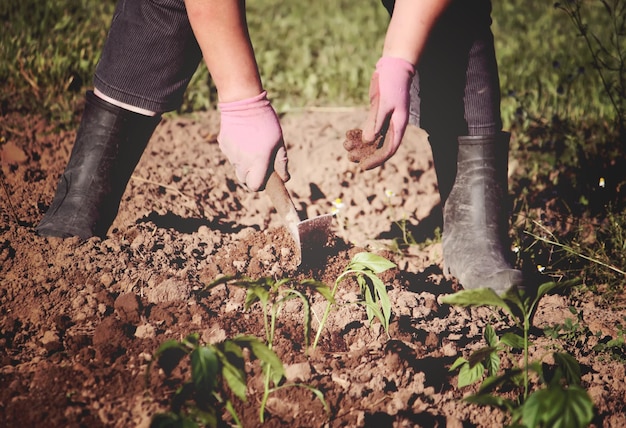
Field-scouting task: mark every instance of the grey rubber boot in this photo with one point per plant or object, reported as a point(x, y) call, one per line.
point(475, 225)
point(108, 146)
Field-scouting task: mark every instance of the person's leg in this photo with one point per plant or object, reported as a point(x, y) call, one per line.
point(455, 97)
point(147, 62)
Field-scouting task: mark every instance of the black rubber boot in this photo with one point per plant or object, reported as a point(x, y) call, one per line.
point(108, 146)
point(475, 225)
point(444, 151)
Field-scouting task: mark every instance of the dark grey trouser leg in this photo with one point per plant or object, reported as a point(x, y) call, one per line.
point(149, 56)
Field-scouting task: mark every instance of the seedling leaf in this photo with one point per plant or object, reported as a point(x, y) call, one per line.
point(569, 367)
point(490, 336)
point(204, 369)
point(232, 368)
point(558, 407)
point(321, 288)
point(457, 363)
point(476, 297)
point(235, 379)
point(172, 420)
point(383, 298)
point(371, 261)
point(480, 355)
point(550, 286)
point(169, 355)
point(470, 374)
point(264, 354)
point(256, 292)
point(493, 362)
point(513, 340)
point(231, 409)
point(492, 382)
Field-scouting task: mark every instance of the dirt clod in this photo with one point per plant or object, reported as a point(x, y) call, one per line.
point(358, 149)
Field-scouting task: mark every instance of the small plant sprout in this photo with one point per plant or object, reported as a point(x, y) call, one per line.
point(398, 244)
point(365, 268)
point(213, 367)
point(272, 295)
point(559, 402)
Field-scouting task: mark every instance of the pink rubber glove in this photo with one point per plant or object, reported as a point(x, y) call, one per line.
point(252, 140)
point(388, 115)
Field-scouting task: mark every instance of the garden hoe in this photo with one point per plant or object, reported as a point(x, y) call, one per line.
point(310, 235)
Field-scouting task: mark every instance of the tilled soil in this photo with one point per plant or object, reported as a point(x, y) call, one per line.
point(81, 321)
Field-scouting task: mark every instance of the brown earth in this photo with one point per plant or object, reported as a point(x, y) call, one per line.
point(80, 321)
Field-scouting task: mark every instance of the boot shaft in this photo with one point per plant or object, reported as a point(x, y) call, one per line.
point(480, 186)
point(476, 246)
point(109, 144)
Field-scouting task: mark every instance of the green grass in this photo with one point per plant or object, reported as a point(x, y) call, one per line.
point(309, 54)
point(48, 51)
point(320, 53)
point(545, 67)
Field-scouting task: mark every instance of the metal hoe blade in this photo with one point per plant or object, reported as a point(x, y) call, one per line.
point(313, 235)
point(310, 235)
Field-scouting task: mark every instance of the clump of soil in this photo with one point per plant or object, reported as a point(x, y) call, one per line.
point(357, 148)
point(80, 321)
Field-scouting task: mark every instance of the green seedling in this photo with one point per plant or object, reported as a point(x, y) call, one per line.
point(559, 401)
point(570, 330)
point(365, 268)
point(615, 347)
point(213, 368)
point(272, 295)
point(406, 239)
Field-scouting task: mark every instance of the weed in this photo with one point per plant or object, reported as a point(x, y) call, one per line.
point(592, 249)
point(569, 330)
point(560, 401)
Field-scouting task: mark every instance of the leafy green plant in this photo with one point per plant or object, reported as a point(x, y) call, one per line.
point(272, 295)
point(558, 401)
point(365, 268)
point(213, 368)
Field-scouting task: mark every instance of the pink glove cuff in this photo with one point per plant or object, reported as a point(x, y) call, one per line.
point(248, 106)
point(393, 65)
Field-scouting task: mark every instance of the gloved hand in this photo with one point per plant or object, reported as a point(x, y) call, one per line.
point(252, 140)
point(388, 116)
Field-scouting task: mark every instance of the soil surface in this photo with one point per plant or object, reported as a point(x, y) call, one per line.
point(81, 321)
